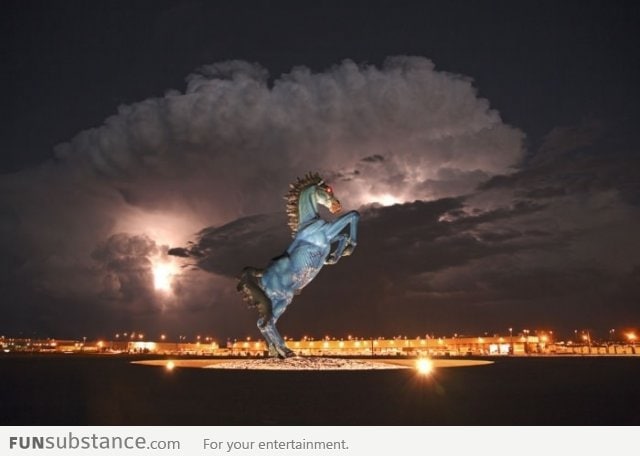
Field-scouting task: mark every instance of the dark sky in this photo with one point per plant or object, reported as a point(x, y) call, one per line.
point(506, 130)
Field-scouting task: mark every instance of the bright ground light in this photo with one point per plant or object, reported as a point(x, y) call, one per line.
point(424, 366)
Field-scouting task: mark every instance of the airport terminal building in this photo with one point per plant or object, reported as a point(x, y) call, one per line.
point(521, 345)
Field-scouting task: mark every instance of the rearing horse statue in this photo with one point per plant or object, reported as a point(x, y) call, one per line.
point(271, 290)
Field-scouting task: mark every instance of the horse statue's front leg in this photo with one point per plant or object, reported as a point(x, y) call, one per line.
point(346, 243)
point(342, 240)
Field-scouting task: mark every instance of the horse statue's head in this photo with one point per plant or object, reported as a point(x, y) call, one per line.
point(303, 198)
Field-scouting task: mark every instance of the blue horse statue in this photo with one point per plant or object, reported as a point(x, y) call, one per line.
point(271, 290)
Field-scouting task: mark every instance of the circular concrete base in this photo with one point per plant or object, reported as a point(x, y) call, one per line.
point(307, 364)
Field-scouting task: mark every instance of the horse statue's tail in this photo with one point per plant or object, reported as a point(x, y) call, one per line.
point(253, 294)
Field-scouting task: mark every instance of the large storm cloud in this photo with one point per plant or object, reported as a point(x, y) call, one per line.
point(87, 227)
point(227, 147)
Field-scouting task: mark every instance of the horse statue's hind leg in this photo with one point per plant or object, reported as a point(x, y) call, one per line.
point(269, 313)
point(277, 346)
point(252, 292)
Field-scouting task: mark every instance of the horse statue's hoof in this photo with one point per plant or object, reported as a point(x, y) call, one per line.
point(289, 353)
point(280, 353)
point(331, 259)
point(285, 353)
point(348, 250)
point(273, 353)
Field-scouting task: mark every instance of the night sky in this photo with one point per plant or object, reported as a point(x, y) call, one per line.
point(491, 148)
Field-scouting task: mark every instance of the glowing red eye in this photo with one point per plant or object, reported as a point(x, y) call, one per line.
point(329, 190)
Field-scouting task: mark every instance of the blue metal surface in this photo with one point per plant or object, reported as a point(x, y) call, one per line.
point(316, 242)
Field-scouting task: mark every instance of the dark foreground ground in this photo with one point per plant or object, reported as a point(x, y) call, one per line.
point(108, 390)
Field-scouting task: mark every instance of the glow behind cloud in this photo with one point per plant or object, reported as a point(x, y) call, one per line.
point(163, 274)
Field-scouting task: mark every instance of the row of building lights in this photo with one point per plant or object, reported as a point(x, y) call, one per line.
point(163, 337)
point(545, 336)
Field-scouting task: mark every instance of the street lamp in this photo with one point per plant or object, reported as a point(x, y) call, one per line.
point(511, 337)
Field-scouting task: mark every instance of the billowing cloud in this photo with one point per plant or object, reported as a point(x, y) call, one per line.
point(235, 138)
point(224, 149)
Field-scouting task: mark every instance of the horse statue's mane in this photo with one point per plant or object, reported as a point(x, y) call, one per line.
point(293, 196)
